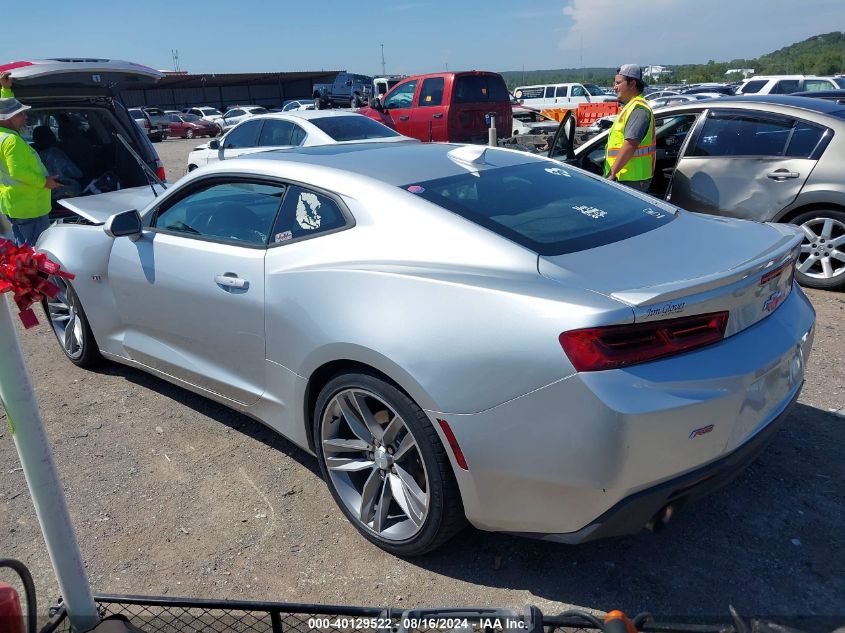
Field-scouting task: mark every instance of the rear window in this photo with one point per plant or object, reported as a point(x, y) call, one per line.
point(754, 86)
point(258, 110)
point(476, 88)
point(136, 114)
point(353, 128)
point(839, 81)
point(546, 207)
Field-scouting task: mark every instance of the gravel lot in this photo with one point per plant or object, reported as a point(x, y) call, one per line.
point(173, 494)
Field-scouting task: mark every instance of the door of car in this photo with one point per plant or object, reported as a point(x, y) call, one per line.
point(190, 291)
point(239, 140)
point(744, 163)
point(578, 94)
point(398, 105)
point(175, 127)
point(561, 95)
point(428, 119)
point(232, 117)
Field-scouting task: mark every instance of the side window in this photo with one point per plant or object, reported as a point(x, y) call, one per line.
point(550, 92)
point(754, 86)
point(806, 140)
point(672, 131)
point(236, 211)
point(739, 134)
point(431, 93)
point(235, 112)
point(297, 135)
point(275, 132)
point(306, 213)
point(173, 118)
point(814, 85)
point(786, 87)
point(562, 91)
point(402, 96)
point(578, 91)
point(242, 136)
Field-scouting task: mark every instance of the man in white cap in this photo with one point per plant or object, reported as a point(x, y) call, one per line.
point(24, 183)
point(630, 145)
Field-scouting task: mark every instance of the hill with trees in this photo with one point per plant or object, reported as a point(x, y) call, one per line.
point(817, 55)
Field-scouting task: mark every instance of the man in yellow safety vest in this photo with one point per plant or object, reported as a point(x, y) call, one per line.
point(630, 144)
point(24, 182)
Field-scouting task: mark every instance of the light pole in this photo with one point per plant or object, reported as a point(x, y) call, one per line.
point(383, 72)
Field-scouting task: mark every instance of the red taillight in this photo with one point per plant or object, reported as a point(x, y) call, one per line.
point(615, 346)
point(160, 170)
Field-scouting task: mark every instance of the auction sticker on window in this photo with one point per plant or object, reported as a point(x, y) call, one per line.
point(416, 189)
point(557, 171)
point(590, 212)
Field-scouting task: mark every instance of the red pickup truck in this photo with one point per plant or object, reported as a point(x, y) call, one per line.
point(446, 107)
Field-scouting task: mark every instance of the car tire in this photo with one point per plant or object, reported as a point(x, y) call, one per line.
point(821, 263)
point(428, 511)
point(189, 134)
point(319, 104)
point(355, 102)
point(70, 325)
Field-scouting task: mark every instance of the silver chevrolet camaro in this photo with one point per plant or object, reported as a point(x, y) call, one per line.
point(457, 332)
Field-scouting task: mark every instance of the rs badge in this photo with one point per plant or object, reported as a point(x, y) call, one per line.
point(704, 430)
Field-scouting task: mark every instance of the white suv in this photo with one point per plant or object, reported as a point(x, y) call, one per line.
point(788, 84)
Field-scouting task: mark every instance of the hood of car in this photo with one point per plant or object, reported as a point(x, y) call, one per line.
point(82, 76)
point(100, 207)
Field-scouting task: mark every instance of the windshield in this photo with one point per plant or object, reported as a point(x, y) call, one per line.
point(353, 128)
point(594, 90)
point(546, 207)
point(210, 111)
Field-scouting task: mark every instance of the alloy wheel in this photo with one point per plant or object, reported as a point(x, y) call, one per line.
point(375, 465)
point(823, 249)
point(64, 318)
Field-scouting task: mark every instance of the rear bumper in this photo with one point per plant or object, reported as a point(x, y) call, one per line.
point(599, 453)
point(651, 507)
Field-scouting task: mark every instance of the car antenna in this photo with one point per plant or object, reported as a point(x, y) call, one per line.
point(152, 178)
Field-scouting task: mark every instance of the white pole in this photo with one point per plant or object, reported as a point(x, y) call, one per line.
point(26, 427)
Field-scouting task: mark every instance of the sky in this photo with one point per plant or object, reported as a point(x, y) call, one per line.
point(417, 37)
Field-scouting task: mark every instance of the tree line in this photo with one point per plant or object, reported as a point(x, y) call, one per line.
point(817, 55)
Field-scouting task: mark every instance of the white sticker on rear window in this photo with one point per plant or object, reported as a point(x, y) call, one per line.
point(654, 213)
point(557, 171)
point(590, 212)
point(307, 211)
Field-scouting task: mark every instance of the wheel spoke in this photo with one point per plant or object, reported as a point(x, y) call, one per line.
point(369, 495)
point(405, 445)
point(827, 268)
point(806, 248)
point(70, 329)
point(366, 416)
point(398, 491)
point(807, 264)
point(827, 229)
point(346, 464)
point(350, 414)
point(346, 446)
point(838, 241)
point(392, 430)
point(383, 506)
point(839, 255)
point(808, 233)
point(413, 492)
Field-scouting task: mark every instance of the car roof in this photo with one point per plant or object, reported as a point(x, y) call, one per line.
point(394, 163)
point(805, 103)
point(308, 114)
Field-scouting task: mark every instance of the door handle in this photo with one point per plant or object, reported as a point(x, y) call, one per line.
point(230, 280)
point(438, 116)
point(782, 174)
point(404, 117)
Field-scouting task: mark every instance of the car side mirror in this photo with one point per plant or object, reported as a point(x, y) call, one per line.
point(125, 224)
point(375, 104)
point(348, 82)
point(214, 144)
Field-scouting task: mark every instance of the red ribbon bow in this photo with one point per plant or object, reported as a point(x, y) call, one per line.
point(23, 272)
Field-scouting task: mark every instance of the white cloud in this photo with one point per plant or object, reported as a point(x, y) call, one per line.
point(683, 31)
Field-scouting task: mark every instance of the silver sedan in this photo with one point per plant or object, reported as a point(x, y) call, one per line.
point(456, 332)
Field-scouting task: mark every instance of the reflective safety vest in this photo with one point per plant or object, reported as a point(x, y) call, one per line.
point(23, 195)
point(641, 164)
